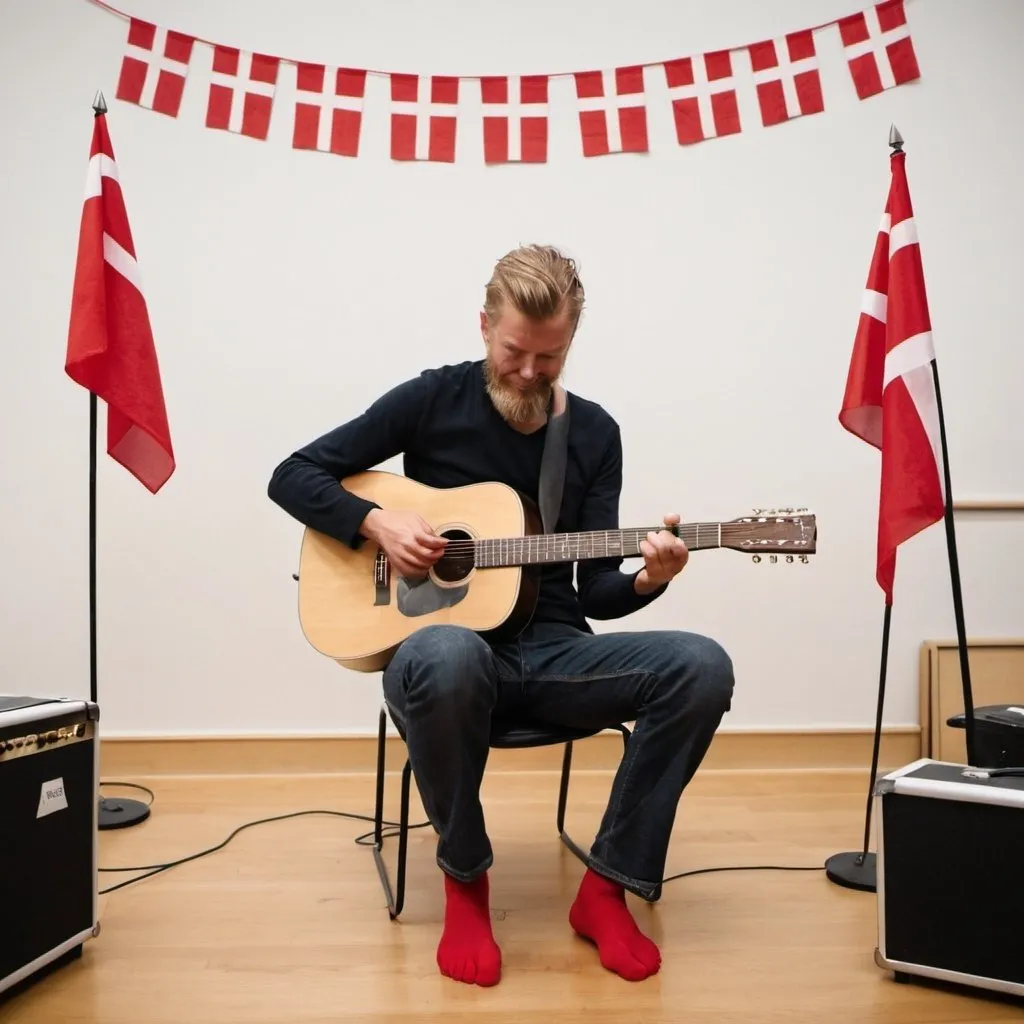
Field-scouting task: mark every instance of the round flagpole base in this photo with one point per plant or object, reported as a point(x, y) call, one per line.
point(119, 813)
point(852, 871)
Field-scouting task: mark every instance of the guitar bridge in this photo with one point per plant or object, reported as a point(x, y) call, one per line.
point(382, 579)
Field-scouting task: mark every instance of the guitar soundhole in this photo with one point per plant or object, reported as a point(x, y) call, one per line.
point(457, 562)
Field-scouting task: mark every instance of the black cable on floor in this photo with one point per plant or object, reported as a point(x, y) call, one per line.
point(746, 867)
point(389, 830)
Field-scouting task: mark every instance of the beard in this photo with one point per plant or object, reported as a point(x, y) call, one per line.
point(516, 405)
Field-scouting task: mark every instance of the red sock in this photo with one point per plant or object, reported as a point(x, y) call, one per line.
point(601, 915)
point(467, 950)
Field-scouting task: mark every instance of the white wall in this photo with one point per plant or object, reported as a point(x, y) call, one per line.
point(288, 289)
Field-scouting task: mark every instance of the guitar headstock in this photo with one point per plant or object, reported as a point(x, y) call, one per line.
point(771, 532)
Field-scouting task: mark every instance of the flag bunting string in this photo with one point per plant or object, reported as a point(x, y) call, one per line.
point(702, 90)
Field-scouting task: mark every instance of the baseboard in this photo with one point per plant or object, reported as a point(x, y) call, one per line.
point(797, 750)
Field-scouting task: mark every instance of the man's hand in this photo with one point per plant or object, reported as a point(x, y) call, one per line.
point(407, 539)
point(665, 555)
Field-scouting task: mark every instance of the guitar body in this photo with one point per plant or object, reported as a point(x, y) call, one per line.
point(355, 609)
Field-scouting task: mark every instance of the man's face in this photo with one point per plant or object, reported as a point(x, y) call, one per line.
point(524, 359)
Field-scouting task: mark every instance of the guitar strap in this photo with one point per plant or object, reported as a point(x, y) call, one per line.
point(552, 463)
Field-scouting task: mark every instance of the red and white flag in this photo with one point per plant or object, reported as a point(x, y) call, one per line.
point(241, 91)
point(890, 400)
point(154, 69)
point(703, 96)
point(786, 77)
point(515, 119)
point(612, 111)
point(424, 113)
point(328, 109)
point(878, 48)
point(110, 349)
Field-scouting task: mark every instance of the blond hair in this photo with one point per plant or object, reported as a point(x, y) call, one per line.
point(536, 280)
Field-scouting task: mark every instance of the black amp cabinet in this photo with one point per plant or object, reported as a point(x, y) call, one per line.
point(950, 875)
point(49, 795)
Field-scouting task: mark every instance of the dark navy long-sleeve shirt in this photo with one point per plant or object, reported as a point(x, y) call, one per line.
point(444, 425)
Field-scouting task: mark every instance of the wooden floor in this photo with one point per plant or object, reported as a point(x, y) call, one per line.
point(287, 923)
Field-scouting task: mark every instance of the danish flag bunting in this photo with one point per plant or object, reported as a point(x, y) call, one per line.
point(241, 91)
point(878, 48)
point(423, 117)
point(890, 400)
point(786, 76)
point(110, 349)
point(153, 70)
point(703, 97)
point(328, 109)
point(611, 103)
point(613, 117)
point(515, 119)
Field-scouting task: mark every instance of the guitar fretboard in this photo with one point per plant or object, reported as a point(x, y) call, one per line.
point(572, 547)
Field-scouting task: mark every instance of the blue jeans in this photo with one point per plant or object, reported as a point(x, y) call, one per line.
point(445, 686)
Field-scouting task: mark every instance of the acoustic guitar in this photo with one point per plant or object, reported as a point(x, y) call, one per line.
point(355, 610)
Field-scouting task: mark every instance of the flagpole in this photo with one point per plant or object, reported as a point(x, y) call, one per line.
point(93, 681)
point(859, 870)
point(954, 575)
point(113, 812)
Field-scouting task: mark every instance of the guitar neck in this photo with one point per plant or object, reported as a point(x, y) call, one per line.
point(576, 547)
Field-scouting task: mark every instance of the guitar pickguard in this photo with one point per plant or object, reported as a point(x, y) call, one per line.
point(421, 596)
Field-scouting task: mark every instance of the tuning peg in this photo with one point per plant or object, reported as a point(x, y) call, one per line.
point(757, 559)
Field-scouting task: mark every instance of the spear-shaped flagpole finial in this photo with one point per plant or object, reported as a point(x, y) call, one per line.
point(99, 104)
point(895, 139)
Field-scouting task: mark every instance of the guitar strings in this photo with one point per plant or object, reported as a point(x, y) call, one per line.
point(689, 530)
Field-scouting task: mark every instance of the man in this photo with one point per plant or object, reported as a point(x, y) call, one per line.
point(487, 420)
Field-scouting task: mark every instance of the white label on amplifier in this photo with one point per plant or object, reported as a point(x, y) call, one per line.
point(51, 798)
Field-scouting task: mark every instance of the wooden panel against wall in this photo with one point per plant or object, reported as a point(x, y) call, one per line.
point(997, 677)
point(827, 750)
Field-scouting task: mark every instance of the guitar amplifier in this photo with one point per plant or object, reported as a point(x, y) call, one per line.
point(998, 732)
point(950, 875)
point(49, 795)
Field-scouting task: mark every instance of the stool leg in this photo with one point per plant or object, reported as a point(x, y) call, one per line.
point(403, 841)
point(378, 816)
point(563, 789)
point(563, 793)
point(624, 729)
point(395, 900)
